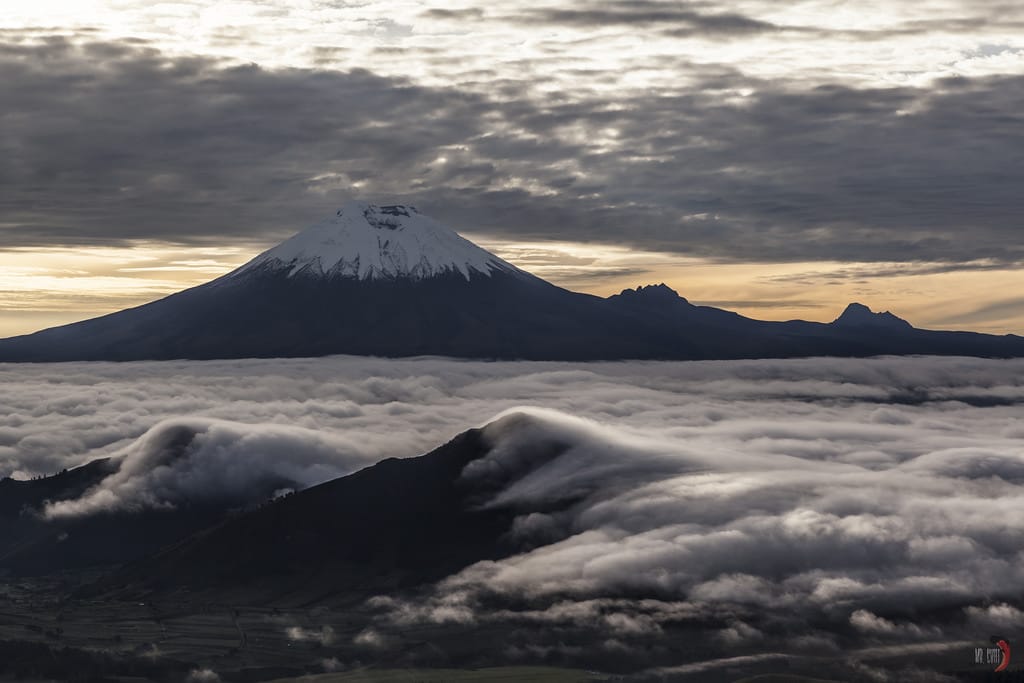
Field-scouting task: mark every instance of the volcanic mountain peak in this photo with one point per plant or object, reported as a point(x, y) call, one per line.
point(366, 242)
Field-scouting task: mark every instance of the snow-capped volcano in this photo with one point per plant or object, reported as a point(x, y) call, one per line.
point(369, 242)
point(379, 280)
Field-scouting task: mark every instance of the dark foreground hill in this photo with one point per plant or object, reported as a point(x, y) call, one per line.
point(33, 544)
point(395, 525)
point(288, 588)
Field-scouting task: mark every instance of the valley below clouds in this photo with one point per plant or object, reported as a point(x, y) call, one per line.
point(869, 510)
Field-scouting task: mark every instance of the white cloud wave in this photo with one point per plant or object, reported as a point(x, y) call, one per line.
point(782, 507)
point(204, 461)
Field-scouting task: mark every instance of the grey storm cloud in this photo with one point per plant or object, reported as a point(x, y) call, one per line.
point(723, 20)
point(679, 18)
point(775, 509)
point(105, 143)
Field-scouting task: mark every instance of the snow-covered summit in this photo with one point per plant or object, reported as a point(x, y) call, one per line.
point(366, 241)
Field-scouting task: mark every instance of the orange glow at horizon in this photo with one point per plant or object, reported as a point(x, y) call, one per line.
point(42, 288)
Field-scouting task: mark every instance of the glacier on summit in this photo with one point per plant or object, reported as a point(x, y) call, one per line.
point(368, 242)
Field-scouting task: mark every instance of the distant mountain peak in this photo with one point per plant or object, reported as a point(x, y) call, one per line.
point(368, 241)
point(859, 315)
point(657, 292)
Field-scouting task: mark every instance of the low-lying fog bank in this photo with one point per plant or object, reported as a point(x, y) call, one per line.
point(786, 510)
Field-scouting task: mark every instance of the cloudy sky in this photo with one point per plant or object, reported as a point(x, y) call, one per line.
point(780, 159)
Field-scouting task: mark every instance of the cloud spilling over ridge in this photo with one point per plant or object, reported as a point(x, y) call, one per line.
point(203, 461)
point(756, 511)
point(771, 552)
point(884, 410)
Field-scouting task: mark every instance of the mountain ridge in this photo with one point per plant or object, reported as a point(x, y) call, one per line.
point(431, 522)
point(859, 315)
point(387, 281)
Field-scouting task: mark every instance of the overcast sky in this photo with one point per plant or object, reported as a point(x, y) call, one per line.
point(780, 159)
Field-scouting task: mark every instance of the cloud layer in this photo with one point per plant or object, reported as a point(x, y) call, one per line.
point(763, 510)
point(55, 416)
point(833, 547)
point(199, 150)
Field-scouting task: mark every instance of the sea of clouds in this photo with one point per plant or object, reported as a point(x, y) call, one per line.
point(803, 507)
point(847, 530)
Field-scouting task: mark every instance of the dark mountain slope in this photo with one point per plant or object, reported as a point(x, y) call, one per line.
point(271, 315)
point(388, 281)
point(31, 544)
point(17, 496)
point(399, 523)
